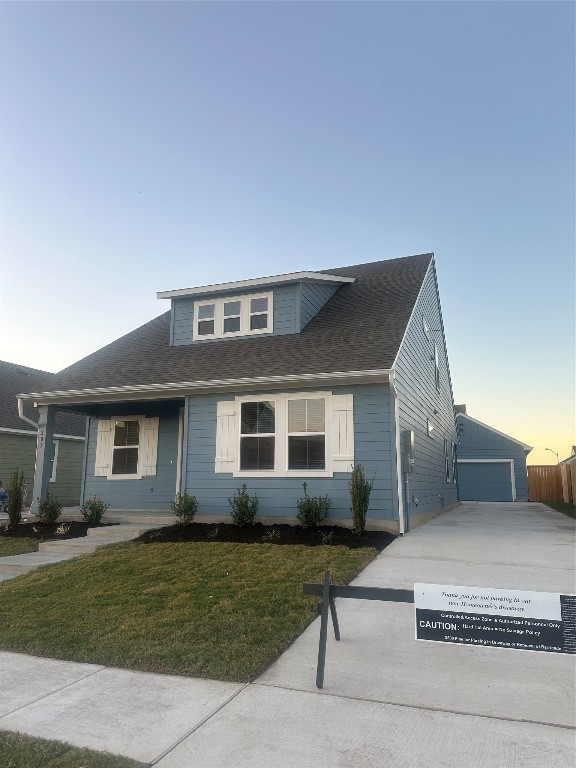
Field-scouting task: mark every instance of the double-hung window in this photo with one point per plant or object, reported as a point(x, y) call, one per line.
point(126, 447)
point(257, 435)
point(233, 316)
point(307, 434)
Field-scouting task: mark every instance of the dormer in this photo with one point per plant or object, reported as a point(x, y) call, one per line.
point(269, 306)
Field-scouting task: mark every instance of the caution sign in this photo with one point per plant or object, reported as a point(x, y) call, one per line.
point(496, 618)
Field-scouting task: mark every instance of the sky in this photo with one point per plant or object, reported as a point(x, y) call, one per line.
point(149, 146)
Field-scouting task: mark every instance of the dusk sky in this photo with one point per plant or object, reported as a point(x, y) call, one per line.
point(147, 146)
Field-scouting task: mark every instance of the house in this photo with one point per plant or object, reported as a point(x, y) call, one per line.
point(491, 465)
point(272, 382)
point(18, 436)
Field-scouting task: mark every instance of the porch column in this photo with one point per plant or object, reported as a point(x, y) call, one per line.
point(44, 454)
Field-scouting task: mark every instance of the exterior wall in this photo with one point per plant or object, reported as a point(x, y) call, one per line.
point(374, 449)
point(419, 400)
point(152, 492)
point(312, 299)
point(286, 314)
point(294, 306)
point(476, 441)
point(19, 452)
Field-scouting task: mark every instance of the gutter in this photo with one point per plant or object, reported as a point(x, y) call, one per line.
point(21, 414)
point(399, 474)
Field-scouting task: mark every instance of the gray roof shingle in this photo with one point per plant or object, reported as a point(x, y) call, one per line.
point(359, 328)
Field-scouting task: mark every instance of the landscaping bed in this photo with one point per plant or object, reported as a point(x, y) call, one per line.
point(270, 534)
point(67, 529)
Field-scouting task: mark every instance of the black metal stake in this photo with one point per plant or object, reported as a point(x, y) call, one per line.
point(323, 630)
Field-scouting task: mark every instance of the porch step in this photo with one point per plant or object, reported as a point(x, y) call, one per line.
point(14, 565)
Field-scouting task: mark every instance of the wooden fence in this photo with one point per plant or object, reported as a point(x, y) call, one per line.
point(545, 483)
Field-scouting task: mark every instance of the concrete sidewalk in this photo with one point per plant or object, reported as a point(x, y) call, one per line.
point(387, 699)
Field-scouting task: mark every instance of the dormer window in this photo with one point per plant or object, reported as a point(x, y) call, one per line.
point(233, 316)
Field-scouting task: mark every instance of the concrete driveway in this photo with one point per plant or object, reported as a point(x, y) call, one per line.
point(388, 700)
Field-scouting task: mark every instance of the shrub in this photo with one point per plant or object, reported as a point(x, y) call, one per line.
point(360, 490)
point(244, 508)
point(184, 507)
point(15, 497)
point(312, 509)
point(271, 536)
point(49, 510)
point(93, 510)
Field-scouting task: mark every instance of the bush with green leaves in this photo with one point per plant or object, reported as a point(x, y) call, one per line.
point(49, 510)
point(244, 507)
point(184, 507)
point(16, 492)
point(93, 510)
point(312, 509)
point(360, 490)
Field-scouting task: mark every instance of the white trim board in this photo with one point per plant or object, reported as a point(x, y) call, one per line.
point(495, 461)
point(256, 282)
point(33, 434)
point(496, 431)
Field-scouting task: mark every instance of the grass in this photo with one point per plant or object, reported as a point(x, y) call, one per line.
point(217, 610)
point(20, 751)
point(19, 546)
point(562, 506)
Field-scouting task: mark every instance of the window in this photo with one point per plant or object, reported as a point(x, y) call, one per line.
point(429, 427)
point(126, 447)
point(298, 434)
point(454, 465)
point(446, 459)
point(233, 316)
point(257, 435)
point(436, 368)
point(306, 434)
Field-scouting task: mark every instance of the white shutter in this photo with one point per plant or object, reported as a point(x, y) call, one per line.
point(226, 437)
point(148, 445)
point(104, 439)
point(342, 433)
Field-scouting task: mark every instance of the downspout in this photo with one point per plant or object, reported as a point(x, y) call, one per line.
point(21, 414)
point(401, 516)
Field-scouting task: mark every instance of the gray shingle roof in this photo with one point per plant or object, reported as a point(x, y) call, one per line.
point(359, 328)
point(15, 379)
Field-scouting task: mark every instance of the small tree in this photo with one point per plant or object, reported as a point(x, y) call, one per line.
point(312, 509)
point(360, 490)
point(184, 507)
point(93, 510)
point(15, 497)
point(244, 508)
point(49, 510)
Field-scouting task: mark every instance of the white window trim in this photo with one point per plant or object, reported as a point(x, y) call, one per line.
point(436, 367)
point(430, 428)
point(55, 461)
point(138, 475)
point(245, 316)
point(425, 327)
point(281, 435)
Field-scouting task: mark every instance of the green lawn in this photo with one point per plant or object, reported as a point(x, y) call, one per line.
point(562, 506)
point(17, 546)
point(20, 751)
point(217, 610)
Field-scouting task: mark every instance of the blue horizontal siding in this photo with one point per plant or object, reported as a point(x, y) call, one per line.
point(278, 495)
point(152, 492)
point(419, 400)
point(478, 441)
point(313, 296)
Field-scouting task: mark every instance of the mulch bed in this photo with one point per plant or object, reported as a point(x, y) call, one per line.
point(263, 534)
point(41, 532)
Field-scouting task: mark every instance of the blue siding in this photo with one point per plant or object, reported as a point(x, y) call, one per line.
point(313, 298)
point(286, 314)
point(419, 400)
point(373, 449)
point(484, 482)
point(478, 441)
point(149, 493)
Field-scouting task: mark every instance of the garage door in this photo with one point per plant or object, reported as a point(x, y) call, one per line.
point(490, 481)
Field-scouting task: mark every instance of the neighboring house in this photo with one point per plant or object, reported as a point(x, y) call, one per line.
point(273, 382)
point(491, 465)
point(18, 437)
